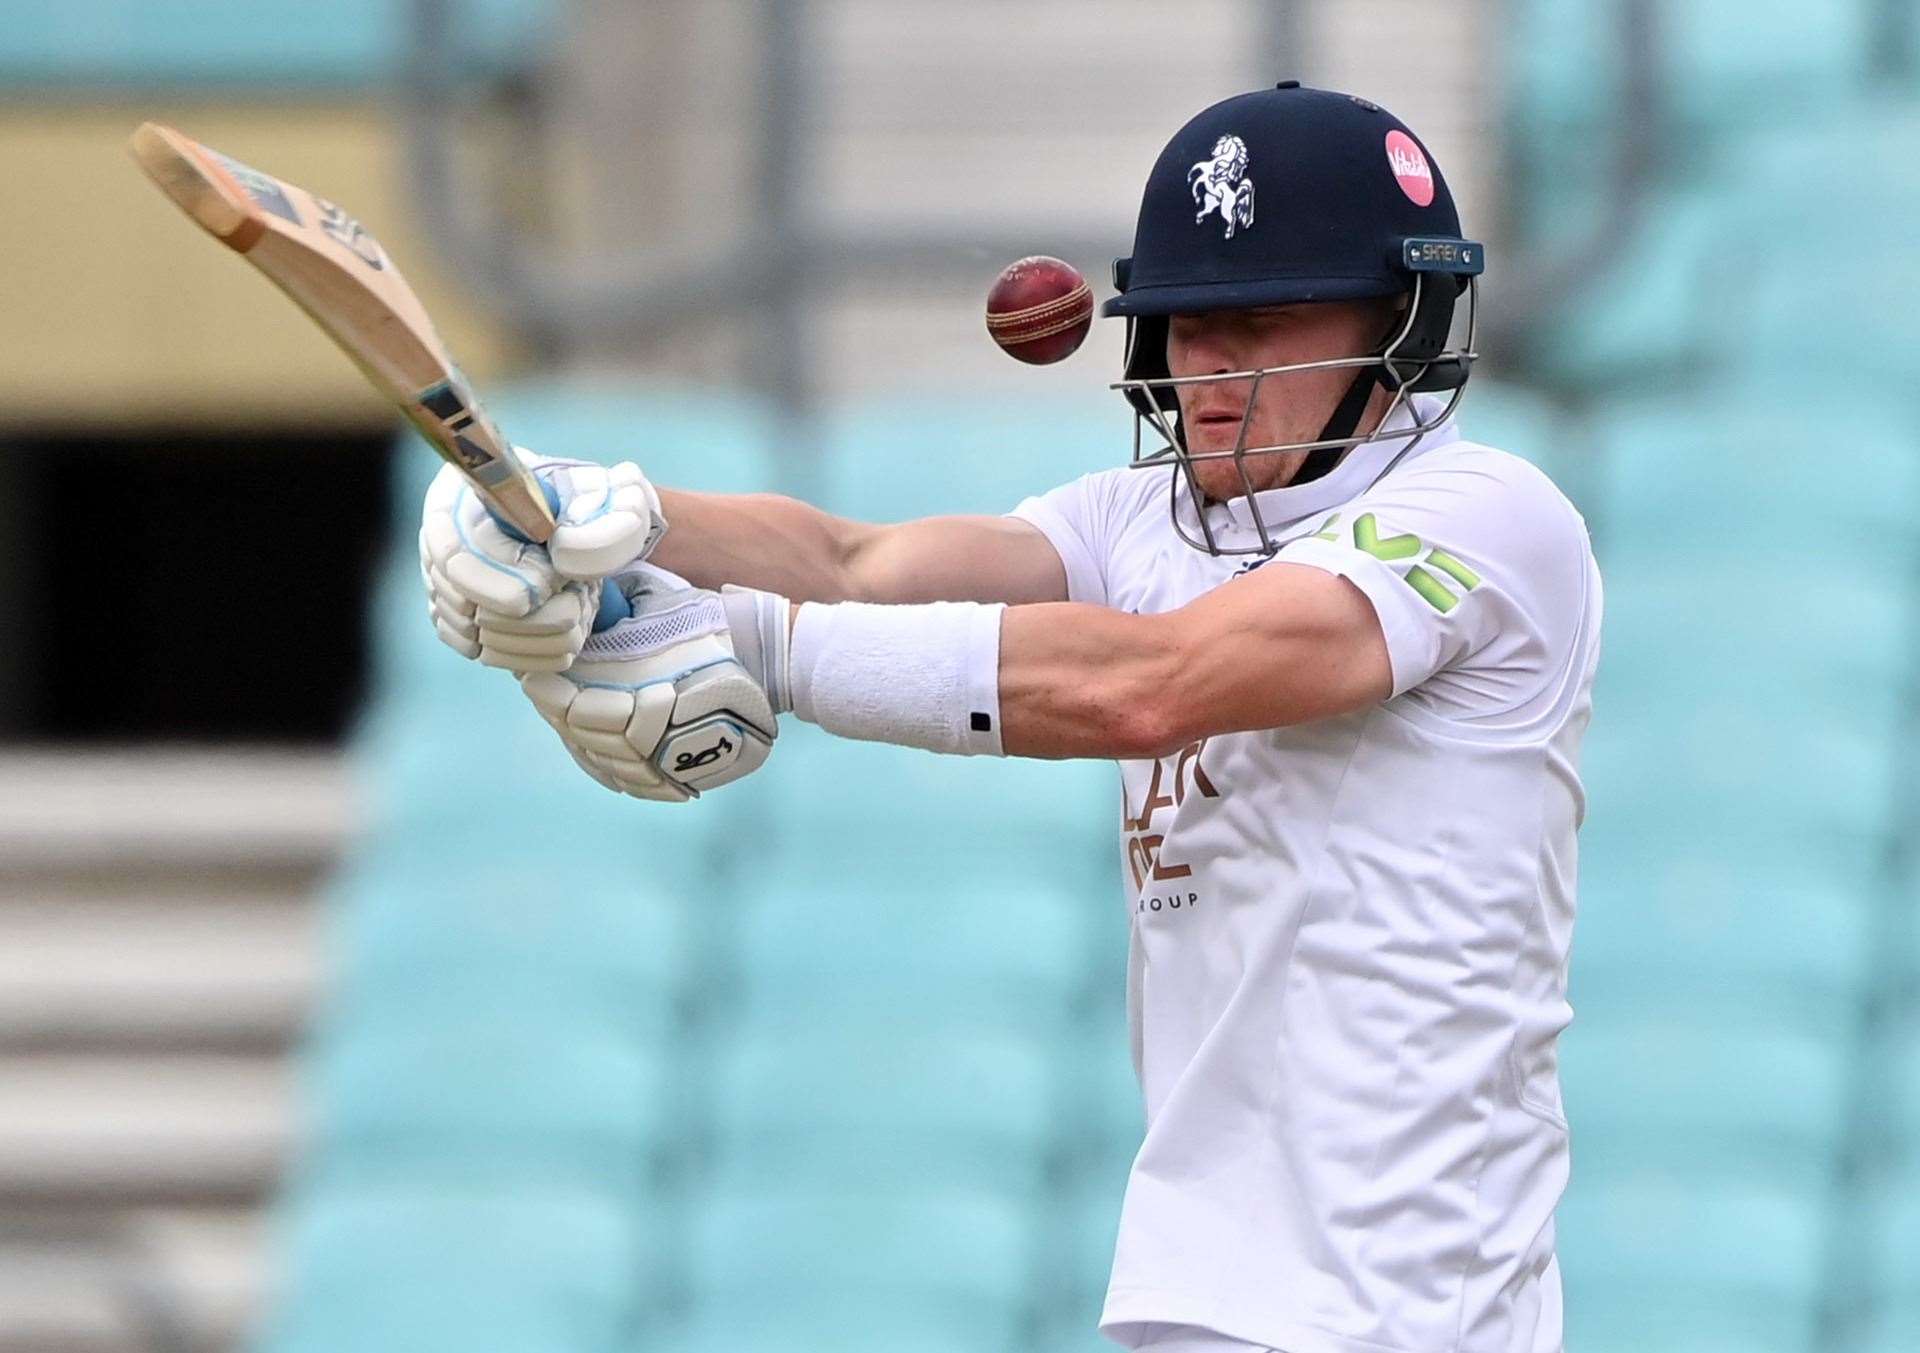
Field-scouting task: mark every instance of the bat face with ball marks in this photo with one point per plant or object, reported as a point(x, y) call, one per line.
point(336, 271)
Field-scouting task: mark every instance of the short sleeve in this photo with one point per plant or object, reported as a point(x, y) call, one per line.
point(1078, 520)
point(1476, 567)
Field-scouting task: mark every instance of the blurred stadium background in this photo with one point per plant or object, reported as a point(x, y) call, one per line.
point(337, 1011)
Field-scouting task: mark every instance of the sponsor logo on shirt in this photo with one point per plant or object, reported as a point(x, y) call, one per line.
point(1392, 549)
point(1172, 779)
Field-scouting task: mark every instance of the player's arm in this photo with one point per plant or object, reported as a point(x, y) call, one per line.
point(782, 545)
point(1283, 645)
point(1286, 644)
point(528, 608)
point(683, 694)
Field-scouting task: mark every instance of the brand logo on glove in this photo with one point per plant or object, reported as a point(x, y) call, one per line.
point(695, 760)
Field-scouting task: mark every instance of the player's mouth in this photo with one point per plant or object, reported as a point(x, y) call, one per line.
point(1220, 418)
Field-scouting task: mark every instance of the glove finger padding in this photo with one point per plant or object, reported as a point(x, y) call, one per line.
point(468, 556)
point(546, 640)
point(609, 517)
point(523, 606)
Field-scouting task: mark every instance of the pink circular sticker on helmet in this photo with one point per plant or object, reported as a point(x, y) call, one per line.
point(1410, 167)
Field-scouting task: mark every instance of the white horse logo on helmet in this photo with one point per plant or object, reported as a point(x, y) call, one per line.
point(1221, 184)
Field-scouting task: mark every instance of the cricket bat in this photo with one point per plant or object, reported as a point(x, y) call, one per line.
point(338, 273)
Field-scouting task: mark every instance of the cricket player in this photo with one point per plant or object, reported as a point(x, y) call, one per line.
point(1343, 655)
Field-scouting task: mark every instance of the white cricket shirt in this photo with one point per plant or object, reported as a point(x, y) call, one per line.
point(1349, 938)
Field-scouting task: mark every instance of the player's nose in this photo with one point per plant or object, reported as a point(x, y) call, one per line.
point(1210, 350)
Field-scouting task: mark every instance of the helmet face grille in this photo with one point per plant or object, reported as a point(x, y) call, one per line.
point(1414, 358)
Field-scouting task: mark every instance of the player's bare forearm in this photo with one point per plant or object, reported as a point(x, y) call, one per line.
point(1082, 681)
point(786, 546)
point(1285, 645)
point(759, 540)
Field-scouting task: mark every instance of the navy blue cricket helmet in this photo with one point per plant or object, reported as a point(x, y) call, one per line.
point(1291, 195)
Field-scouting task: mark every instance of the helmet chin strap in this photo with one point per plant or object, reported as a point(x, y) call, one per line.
point(1341, 423)
point(1346, 416)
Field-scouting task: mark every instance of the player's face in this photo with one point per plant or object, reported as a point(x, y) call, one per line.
point(1290, 408)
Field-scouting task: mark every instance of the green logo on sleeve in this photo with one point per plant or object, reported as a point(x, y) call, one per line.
point(1366, 536)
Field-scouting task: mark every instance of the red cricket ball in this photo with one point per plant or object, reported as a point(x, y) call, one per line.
point(1040, 309)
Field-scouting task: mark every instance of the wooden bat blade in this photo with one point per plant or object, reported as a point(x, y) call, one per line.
point(198, 184)
point(337, 272)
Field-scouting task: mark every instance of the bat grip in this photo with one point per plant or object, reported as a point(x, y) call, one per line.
point(613, 606)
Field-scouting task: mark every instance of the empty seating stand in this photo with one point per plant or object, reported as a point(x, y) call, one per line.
point(1743, 967)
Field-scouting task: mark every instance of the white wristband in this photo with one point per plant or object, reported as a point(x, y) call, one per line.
point(917, 676)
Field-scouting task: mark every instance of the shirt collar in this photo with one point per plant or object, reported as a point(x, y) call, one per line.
point(1282, 508)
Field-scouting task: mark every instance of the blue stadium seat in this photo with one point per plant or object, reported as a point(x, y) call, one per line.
point(1656, 1261)
point(455, 938)
point(1563, 64)
point(277, 45)
point(1824, 480)
point(1102, 1127)
point(1744, 850)
point(1717, 1101)
point(1741, 843)
point(1514, 418)
point(1837, 321)
point(1895, 1326)
point(1106, 1094)
point(1649, 315)
point(877, 1324)
point(1788, 952)
point(1730, 63)
point(1846, 171)
point(483, 1270)
point(1893, 1205)
point(1713, 763)
point(1083, 1228)
point(498, 1097)
point(899, 459)
point(1724, 65)
point(1011, 956)
point(886, 1100)
point(712, 440)
point(828, 1268)
point(871, 816)
point(1771, 647)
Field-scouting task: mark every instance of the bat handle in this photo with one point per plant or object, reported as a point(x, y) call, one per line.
point(613, 606)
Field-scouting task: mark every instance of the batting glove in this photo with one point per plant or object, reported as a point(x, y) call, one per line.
point(510, 603)
point(678, 698)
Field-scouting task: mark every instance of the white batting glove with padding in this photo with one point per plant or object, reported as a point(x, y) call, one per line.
point(511, 603)
point(678, 698)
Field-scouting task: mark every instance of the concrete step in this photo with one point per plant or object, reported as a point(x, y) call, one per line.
point(216, 1266)
point(142, 1130)
point(177, 1281)
point(232, 974)
point(147, 814)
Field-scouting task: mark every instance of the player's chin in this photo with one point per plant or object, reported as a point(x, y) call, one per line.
point(1214, 437)
point(1220, 480)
